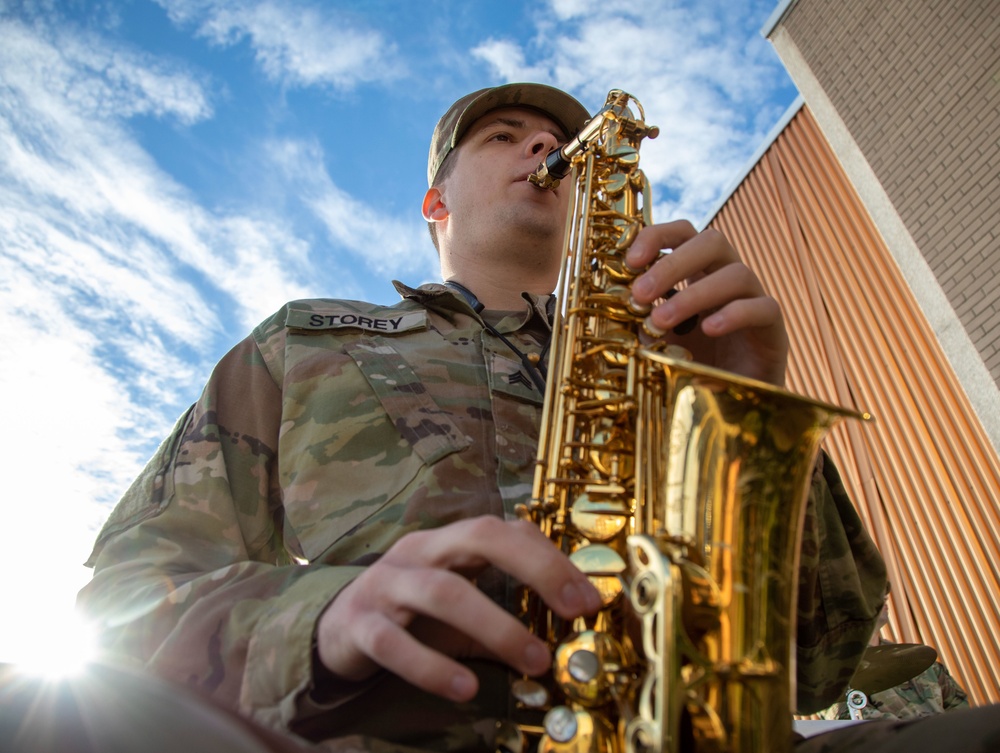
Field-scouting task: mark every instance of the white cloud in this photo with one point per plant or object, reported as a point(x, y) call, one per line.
point(64, 458)
point(297, 43)
point(109, 276)
point(507, 59)
point(77, 71)
point(117, 270)
point(386, 244)
point(81, 211)
point(110, 271)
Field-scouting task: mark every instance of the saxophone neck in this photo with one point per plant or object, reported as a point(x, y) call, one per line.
point(558, 163)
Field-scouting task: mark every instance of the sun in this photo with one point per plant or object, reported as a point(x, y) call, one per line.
point(51, 645)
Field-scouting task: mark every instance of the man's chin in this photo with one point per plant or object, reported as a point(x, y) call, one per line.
point(540, 229)
point(544, 217)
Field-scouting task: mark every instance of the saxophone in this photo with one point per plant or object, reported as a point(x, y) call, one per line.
point(679, 489)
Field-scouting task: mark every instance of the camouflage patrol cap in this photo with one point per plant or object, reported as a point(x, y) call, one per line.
point(568, 114)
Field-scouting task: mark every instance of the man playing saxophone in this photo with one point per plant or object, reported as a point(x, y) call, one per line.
point(327, 541)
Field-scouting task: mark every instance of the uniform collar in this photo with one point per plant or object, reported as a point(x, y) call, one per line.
point(437, 296)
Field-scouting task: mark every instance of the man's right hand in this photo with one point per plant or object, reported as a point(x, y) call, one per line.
point(417, 607)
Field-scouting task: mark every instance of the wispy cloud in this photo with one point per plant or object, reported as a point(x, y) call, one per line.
point(107, 260)
point(104, 259)
point(296, 43)
point(387, 245)
point(87, 215)
point(118, 288)
point(100, 335)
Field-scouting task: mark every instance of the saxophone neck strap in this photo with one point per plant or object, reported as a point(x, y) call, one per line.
point(534, 368)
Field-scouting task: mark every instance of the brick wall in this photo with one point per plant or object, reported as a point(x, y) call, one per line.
point(917, 82)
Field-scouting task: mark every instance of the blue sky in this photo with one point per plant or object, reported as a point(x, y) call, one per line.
point(172, 171)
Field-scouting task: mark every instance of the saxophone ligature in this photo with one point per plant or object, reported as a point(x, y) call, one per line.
point(679, 489)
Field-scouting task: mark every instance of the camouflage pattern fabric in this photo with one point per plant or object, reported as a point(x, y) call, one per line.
point(319, 441)
point(933, 691)
point(840, 574)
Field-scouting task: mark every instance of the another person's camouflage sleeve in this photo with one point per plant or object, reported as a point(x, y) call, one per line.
point(841, 588)
point(192, 577)
point(933, 691)
point(953, 696)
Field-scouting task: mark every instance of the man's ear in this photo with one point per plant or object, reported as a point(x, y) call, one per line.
point(433, 208)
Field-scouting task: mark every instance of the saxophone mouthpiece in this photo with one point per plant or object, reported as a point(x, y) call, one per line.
point(551, 170)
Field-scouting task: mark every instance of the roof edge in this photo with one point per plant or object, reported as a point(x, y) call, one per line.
point(775, 18)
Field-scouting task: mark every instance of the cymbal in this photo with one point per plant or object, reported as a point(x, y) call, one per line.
point(884, 667)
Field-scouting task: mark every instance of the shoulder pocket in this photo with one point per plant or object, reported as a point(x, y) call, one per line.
point(149, 494)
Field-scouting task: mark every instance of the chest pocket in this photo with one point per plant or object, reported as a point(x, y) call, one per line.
point(360, 443)
point(412, 410)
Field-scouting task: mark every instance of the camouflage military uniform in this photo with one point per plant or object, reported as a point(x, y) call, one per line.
point(332, 431)
point(933, 691)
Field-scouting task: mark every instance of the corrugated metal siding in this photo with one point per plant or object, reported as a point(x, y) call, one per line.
point(924, 475)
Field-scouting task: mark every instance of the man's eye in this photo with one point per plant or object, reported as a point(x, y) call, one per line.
point(500, 137)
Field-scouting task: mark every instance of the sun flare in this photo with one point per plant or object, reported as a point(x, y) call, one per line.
point(53, 648)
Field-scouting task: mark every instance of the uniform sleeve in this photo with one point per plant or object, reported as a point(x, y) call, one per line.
point(192, 576)
point(953, 696)
point(841, 589)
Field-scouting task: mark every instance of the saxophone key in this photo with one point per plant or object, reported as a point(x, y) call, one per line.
point(585, 667)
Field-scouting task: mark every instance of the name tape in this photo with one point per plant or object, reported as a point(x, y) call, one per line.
point(323, 320)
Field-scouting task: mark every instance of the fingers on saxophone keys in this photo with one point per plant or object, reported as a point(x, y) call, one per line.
point(531, 558)
point(682, 328)
point(516, 547)
point(639, 309)
point(392, 647)
point(461, 616)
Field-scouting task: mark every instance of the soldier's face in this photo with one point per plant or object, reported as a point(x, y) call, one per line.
point(487, 191)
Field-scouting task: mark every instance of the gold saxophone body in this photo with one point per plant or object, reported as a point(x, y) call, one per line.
point(678, 488)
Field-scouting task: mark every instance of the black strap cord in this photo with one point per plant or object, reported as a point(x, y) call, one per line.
point(536, 372)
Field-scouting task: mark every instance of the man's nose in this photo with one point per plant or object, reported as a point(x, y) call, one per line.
point(541, 143)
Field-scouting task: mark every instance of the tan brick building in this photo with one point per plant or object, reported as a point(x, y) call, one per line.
point(874, 215)
point(908, 93)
